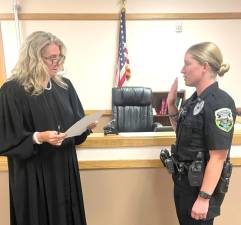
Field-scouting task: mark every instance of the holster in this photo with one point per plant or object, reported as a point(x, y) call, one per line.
point(223, 183)
point(167, 161)
point(220, 190)
point(214, 205)
point(196, 170)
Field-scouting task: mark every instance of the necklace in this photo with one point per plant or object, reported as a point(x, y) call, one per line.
point(50, 86)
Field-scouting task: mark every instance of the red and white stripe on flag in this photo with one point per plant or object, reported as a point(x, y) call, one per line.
point(123, 72)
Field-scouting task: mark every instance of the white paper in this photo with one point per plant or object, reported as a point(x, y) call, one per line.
point(80, 126)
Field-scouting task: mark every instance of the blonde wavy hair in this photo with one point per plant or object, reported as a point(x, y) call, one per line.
point(30, 70)
point(210, 53)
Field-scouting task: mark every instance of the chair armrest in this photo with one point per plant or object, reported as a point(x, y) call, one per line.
point(158, 127)
point(110, 128)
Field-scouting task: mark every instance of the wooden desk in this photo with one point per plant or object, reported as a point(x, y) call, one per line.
point(99, 140)
point(140, 150)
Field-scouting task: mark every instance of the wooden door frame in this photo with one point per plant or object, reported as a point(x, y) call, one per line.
point(2, 61)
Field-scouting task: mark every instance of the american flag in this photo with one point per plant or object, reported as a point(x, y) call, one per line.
point(123, 72)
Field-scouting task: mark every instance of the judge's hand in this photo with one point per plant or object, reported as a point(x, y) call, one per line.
point(172, 95)
point(92, 125)
point(51, 137)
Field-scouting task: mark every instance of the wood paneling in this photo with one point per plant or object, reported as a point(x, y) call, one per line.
point(119, 164)
point(127, 164)
point(3, 164)
point(238, 119)
point(115, 164)
point(98, 140)
point(106, 112)
point(131, 16)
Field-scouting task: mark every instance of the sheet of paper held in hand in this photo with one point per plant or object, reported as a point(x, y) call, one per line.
point(80, 126)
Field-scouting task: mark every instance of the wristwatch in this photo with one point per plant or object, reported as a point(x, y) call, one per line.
point(204, 195)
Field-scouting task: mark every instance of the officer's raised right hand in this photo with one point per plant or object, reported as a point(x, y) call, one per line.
point(172, 96)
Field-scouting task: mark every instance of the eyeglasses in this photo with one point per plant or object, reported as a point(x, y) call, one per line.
point(58, 60)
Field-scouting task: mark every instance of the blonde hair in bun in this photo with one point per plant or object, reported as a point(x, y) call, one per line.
point(223, 69)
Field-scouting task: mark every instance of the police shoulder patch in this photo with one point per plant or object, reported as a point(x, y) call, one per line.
point(224, 119)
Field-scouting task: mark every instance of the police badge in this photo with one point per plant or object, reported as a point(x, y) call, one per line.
point(198, 107)
point(224, 119)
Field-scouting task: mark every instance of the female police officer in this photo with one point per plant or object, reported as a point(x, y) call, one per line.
point(204, 124)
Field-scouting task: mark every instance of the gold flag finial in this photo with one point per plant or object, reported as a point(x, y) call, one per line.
point(123, 3)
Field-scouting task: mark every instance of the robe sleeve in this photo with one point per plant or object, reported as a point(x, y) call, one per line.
point(15, 140)
point(78, 112)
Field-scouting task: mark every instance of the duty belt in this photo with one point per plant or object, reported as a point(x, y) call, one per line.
point(180, 166)
point(193, 169)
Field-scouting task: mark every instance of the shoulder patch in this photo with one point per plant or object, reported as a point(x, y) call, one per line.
point(224, 119)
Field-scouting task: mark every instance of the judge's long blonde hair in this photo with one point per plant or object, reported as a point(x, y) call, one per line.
point(30, 70)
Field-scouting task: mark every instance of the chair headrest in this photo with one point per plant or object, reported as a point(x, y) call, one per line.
point(131, 96)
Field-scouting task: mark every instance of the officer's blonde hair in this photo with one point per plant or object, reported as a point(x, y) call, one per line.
point(30, 70)
point(210, 53)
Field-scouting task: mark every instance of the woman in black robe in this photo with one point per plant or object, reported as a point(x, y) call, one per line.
point(36, 106)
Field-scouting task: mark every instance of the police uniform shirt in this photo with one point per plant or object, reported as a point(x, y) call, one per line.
point(206, 122)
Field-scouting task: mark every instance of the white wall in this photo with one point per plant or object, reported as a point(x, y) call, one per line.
point(155, 50)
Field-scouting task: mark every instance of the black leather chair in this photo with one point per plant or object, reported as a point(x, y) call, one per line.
point(132, 109)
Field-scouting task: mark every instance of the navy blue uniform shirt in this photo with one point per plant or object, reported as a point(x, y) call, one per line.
point(206, 122)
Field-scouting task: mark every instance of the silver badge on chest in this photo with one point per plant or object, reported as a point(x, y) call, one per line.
point(198, 107)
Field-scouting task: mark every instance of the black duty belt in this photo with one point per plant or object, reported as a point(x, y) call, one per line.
point(181, 166)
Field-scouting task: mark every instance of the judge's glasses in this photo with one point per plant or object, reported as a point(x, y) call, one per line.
point(55, 59)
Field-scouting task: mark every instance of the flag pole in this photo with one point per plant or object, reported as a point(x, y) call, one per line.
point(123, 4)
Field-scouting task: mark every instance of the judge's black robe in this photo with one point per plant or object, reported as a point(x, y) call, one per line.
point(44, 180)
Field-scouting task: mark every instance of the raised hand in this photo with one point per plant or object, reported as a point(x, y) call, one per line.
point(172, 95)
